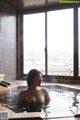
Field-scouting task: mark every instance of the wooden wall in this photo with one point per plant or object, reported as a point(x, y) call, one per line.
point(7, 41)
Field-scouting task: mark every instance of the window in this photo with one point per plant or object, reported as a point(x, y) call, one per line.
point(50, 42)
point(60, 42)
point(34, 42)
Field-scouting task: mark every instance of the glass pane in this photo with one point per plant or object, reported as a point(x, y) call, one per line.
point(60, 42)
point(34, 38)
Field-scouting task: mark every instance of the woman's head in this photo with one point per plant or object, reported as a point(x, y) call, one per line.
point(34, 76)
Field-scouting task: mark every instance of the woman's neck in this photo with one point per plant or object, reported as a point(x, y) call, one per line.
point(33, 88)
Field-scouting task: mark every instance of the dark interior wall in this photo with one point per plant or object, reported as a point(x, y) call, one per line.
point(7, 41)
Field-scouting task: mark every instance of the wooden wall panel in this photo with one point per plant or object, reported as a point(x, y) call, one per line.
point(7, 41)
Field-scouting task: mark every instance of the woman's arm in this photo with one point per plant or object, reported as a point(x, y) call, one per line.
point(47, 97)
point(21, 97)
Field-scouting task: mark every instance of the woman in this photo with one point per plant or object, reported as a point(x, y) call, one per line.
point(34, 95)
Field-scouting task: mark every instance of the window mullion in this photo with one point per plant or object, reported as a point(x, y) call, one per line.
point(75, 42)
point(46, 60)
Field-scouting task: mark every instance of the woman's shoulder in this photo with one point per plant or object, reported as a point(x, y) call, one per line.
point(44, 89)
point(23, 92)
point(21, 96)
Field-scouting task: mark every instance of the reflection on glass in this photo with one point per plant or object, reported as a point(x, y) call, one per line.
point(34, 41)
point(60, 42)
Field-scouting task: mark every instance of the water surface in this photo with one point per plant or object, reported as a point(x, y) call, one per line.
point(61, 98)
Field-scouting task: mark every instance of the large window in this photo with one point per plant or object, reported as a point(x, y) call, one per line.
point(49, 42)
point(34, 42)
point(60, 42)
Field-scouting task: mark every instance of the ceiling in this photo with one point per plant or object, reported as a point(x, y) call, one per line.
point(23, 4)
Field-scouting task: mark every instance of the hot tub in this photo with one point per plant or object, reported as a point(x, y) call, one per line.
point(63, 97)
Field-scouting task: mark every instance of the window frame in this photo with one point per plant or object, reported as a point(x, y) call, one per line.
point(20, 56)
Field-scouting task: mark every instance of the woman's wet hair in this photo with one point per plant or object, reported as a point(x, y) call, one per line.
point(31, 76)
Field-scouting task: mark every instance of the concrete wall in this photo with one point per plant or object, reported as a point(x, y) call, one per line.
point(7, 41)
